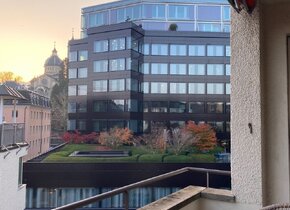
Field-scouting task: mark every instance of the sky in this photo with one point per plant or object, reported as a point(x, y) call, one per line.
point(29, 29)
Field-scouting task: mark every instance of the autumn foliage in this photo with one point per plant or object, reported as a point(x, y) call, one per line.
point(78, 138)
point(116, 137)
point(203, 134)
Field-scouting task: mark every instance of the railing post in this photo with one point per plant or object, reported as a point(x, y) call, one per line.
point(207, 179)
point(126, 200)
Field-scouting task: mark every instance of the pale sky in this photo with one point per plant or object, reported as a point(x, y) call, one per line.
point(29, 29)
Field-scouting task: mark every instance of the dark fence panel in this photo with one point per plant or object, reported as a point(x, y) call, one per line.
point(53, 175)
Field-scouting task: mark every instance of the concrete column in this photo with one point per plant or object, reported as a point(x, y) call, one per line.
point(246, 117)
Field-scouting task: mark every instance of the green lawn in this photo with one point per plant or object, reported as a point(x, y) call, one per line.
point(139, 154)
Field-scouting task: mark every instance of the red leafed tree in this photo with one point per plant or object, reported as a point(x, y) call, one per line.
point(204, 135)
point(78, 138)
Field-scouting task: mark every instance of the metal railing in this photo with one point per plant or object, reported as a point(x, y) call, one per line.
point(11, 134)
point(125, 190)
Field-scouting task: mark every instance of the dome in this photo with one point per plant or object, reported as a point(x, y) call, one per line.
point(53, 60)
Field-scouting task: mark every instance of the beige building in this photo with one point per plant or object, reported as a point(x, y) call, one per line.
point(35, 113)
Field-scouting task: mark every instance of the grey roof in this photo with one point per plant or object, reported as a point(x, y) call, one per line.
point(10, 93)
point(53, 60)
point(128, 2)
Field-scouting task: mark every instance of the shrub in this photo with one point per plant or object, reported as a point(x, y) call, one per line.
point(77, 138)
point(116, 137)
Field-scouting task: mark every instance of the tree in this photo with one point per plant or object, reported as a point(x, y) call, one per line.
point(180, 140)
point(9, 76)
point(203, 134)
point(116, 137)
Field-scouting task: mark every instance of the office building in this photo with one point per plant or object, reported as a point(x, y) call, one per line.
point(145, 63)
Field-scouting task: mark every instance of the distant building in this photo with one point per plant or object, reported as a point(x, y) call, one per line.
point(12, 150)
point(35, 113)
point(53, 67)
point(141, 63)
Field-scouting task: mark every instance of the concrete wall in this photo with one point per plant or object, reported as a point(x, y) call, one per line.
point(246, 106)
point(12, 194)
point(275, 28)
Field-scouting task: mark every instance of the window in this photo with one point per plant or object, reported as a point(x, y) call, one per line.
point(159, 87)
point(82, 73)
point(209, 13)
point(116, 106)
point(101, 46)
point(228, 50)
point(215, 69)
point(159, 106)
point(228, 127)
point(181, 12)
point(159, 68)
point(196, 88)
point(83, 55)
point(145, 87)
point(100, 86)
point(178, 50)
point(178, 69)
point(117, 64)
point(196, 107)
point(215, 88)
point(82, 125)
point(132, 64)
point(159, 49)
point(72, 90)
point(228, 107)
point(82, 90)
point(101, 66)
point(82, 107)
point(132, 85)
point(215, 107)
point(116, 124)
point(209, 27)
point(177, 107)
point(132, 105)
point(71, 125)
point(117, 44)
point(145, 106)
point(155, 11)
point(144, 68)
point(99, 125)
point(97, 19)
point(100, 106)
point(72, 73)
point(72, 108)
point(73, 56)
point(146, 49)
point(215, 50)
point(226, 13)
point(178, 88)
point(228, 69)
point(196, 50)
point(117, 85)
point(228, 88)
point(218, 126)
point(196, 69)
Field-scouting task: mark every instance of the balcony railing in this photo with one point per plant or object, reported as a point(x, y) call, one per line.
point(125, 190)
point(11, 134)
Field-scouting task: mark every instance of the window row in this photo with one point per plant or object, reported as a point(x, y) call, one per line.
point(186, 50)
point(119, 64)
point(158, 11)
point(186, 69)
point(161, 49)
point(133, 105)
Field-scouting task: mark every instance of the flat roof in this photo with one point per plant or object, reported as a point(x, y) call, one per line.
point(129, 2)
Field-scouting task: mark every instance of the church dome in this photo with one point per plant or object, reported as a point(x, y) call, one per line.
point(53, 60)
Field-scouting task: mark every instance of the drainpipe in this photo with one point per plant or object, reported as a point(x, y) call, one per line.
point(1, 120)
point(14, 121)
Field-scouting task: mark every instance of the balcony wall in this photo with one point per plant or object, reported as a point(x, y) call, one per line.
point(11, 133)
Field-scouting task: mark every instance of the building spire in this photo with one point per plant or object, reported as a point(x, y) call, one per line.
point(54, 51)
point(72, 35)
